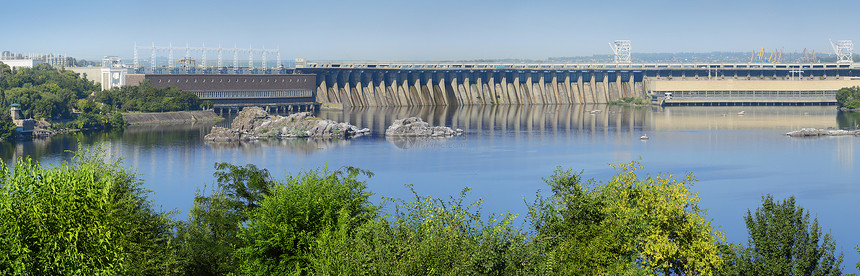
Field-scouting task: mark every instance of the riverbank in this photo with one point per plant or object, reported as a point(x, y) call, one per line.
point(176, 117)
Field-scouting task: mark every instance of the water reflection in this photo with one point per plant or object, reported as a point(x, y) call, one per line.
point(848, 120)
point(305, 145)
point(491, 120)
point(742, 117)
point(596, 121)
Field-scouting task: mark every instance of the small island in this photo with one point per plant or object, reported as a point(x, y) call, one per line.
point(816, 132)
point(416, 127)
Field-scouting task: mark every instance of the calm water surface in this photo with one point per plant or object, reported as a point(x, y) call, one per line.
point(507, 150)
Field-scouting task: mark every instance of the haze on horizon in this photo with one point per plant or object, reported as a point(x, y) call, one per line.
point(425, 30)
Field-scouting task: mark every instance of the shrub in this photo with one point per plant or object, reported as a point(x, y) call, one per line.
point(427, 236)
point(282, 235)
point(82, 217)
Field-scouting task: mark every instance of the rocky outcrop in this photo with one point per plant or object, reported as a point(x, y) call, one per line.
point(416, 127)
point(815, 132)
point(253, 123)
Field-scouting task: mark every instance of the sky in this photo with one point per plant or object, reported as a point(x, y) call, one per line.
point(425, 30)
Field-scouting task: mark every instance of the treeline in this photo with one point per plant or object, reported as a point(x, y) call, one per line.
point(88, 217)
point(44, 92)
point(848, 97)
point(66, 100)
point(148, 98)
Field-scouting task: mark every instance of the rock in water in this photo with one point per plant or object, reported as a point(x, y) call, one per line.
point(248, 117)
point(813, 132)
point(253, 123)
point(416, 127)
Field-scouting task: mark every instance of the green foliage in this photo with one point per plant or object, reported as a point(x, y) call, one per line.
point(427, 236)
point(148, 98)
point(117, 121)
point(848, 97)
point(209, 238)
point(83, 217)
point(627, 225)
point(783, 242)
point(282, 234)
point(206, 104)
point(43, 91)
point(91, 217)
point(7, 127)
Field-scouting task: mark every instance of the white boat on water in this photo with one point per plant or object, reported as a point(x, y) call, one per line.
point(741, 113)
point(644, 137)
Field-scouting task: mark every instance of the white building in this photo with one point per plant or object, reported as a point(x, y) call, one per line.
point(16, 63)
point(113, 73)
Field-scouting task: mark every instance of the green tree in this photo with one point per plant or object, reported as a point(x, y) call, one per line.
point(147, 98)
point(628, 225)
point(848, 97)
point(782, 241)
point(282, 234)
point(209, 238)
point(7, 127)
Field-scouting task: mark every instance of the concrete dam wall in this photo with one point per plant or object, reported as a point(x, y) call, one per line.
point(386, 87)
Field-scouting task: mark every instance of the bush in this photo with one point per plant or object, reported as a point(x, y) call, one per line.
point(284, 233)
point(427, 236)
point(83, 217)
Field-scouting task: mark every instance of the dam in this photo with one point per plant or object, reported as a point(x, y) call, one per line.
point(428, 84)
point(762, 81)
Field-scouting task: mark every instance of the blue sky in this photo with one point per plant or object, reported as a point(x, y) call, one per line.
point(426, 30)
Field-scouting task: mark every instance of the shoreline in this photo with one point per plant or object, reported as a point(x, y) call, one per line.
point(173, 117)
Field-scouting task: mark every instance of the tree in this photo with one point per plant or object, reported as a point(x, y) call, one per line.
point(848, 97)
point(282, 234)
point(628, 225)
point(782, 241)
point(209, 238)
point(8, 128)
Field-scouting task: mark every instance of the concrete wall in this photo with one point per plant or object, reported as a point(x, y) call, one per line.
point(92, 73)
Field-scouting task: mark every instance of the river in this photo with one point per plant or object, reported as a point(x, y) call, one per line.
point(508, 149)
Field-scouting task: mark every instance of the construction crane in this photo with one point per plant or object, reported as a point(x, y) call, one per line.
point(760, 54)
